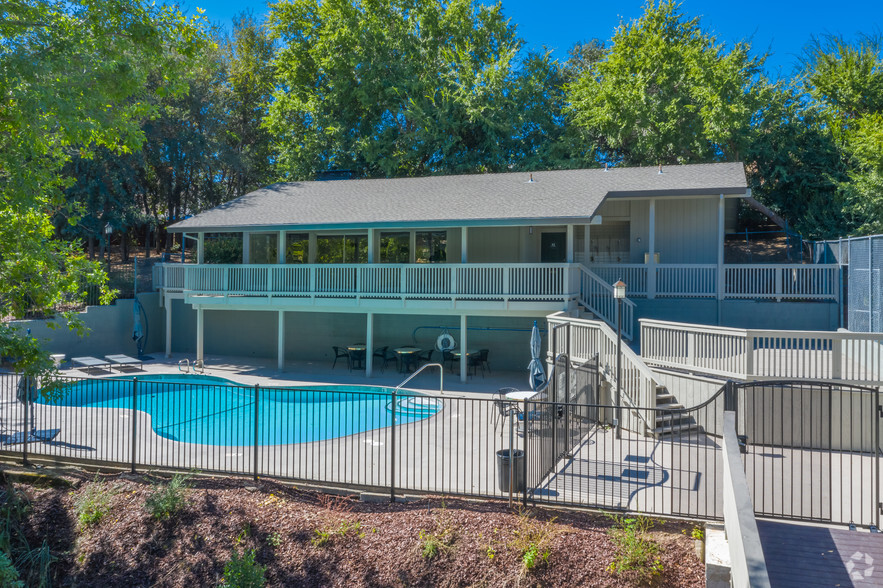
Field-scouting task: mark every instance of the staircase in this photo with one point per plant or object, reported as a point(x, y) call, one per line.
point(596, 298)
point(671, 423)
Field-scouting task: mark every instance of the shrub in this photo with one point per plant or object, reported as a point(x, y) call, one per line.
point(93, 504)
point(337, 521)
point(533, 541)
point(8, 573)
point(167, 499)
point(440, 539)
point(636, 554)
point(241, 571)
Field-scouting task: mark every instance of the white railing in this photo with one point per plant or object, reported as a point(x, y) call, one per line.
point(754, 282)
point(513, 282)
point(597, 295)
point(589, 338)
point(752, 354)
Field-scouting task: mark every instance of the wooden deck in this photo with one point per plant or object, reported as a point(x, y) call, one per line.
point(803, 556)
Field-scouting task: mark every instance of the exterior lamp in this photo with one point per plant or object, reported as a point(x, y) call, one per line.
point(618, 295)
point(108, 230)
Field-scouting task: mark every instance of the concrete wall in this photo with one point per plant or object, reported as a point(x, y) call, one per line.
point(110, 330)
point(311, 335)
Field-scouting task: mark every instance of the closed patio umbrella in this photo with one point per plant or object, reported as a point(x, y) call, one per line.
point(537, 375)
point(137, 330)
point(26, 392)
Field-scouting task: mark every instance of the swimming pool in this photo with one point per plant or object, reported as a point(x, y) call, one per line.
point(207, 410)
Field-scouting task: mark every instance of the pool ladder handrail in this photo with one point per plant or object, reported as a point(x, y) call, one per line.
point(441, 377)
point(184, 362)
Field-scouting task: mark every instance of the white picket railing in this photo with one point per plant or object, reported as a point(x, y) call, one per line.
point(589, 338)
point(752, 354)
point(520, 282)
point(596, 294)
point(755, 282)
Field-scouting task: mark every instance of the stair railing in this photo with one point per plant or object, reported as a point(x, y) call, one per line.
point(597, 296)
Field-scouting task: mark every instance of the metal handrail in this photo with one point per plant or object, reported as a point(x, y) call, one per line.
point(441, 375)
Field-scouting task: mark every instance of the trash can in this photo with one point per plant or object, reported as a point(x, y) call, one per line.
point(507, 458)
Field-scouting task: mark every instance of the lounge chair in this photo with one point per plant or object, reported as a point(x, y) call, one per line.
point(120, 361)
point(87, 362)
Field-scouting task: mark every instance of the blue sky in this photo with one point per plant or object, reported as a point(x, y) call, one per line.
point(782, 28)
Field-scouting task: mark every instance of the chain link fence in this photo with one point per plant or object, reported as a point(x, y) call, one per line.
point(862, 258)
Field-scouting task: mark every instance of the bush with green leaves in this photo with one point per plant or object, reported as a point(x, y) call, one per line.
point(637, 555)
point(8, 574)
point(242, 571)
point(166, 500)
point(93, 504)
point(440, 539)
point(533, 541)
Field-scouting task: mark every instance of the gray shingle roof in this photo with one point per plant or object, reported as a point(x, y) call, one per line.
point(459, 200)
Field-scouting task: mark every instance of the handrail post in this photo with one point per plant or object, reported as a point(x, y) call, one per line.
point(257, 390)
point(134, 420)
point(524, 458)
point(392, 448)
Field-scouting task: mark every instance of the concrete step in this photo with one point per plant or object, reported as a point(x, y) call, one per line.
point(668, 405)
point(675, 428)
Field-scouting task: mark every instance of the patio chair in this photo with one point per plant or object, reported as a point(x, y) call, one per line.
point(448, 357)
point(384, 355)
point(474, 361)
point(341, 352)
point(482, 357)
point(424, 357)
point(357, 360)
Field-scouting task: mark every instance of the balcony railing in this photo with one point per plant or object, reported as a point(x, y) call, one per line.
point(476, 282)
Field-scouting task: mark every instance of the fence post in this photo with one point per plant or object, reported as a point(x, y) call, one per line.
point(749, 355)
point(524, 451)
point(257, 390)
point(134, 420)
point(27, 402)
point(392, 449)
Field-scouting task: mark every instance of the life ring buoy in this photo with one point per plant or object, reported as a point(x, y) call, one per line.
point(445, 342)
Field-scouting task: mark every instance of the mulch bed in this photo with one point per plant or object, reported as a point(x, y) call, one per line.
point(380, 544)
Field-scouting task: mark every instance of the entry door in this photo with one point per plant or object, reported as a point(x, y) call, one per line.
point(553, 247)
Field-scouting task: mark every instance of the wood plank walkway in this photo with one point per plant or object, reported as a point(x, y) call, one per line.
point(803, 556)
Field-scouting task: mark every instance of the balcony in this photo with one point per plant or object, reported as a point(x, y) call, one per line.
point(438, 287)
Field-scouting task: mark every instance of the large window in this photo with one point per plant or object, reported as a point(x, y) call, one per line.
point(223, 248)
point(395, 247)
point(297, 248)
point(262, 248)
point(431, 247)
point(342, 249)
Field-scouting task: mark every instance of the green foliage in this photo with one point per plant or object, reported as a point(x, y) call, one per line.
point(275, 539)
point(338, 522)
point(241, 571)
point(441, 538)
point(637, 556)
point(93, 503)
point(436, 90)
point(223, 249)
point(165, 500)
point(33, 565)
point(667, 92)
point(533, 541)
point(8, 574)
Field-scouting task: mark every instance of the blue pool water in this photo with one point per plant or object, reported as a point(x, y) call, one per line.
point(213, 411)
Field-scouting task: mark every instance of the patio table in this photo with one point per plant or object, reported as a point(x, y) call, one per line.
point(357, 355)
point(407, 356)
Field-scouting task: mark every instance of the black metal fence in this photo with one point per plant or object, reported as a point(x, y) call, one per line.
point(812, 450)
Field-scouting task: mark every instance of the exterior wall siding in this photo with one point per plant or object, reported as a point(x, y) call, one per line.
point(686, 230)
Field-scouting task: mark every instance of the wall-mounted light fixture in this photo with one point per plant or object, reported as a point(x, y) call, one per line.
point(530, 230)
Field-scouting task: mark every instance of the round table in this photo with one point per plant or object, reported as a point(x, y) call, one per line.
point(522, 395)
point(357, 355)
point(405, 354)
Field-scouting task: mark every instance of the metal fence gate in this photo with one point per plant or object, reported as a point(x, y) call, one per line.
point(865, 295)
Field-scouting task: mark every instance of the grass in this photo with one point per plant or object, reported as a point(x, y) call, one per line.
point(165, 500)
point(93, 504)
point(533, 541)
point(338, 522)
point(242, 571)
point(440, 539)
point(637, 555)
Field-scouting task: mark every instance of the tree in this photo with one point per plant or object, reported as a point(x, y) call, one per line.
point(406, 87)
point(845, 82)
point(72, 82)
point(666, 92)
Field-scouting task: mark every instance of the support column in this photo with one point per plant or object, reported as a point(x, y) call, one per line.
point(720, 247)
point(569, 247)
point(200, 334)
point(372, 235)
point(169, 327)
point(464, 363)
point(246, 248)
point(280, 344)
point(651, 245)
point(200, 247)
point(280, 247)
point(463, 254)
point(369, 345)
